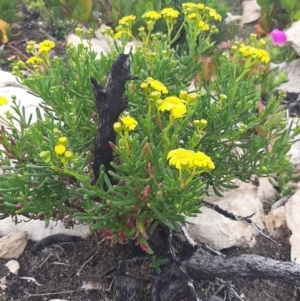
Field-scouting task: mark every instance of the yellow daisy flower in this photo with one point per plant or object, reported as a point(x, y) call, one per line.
point(156, 85)
point(152, 15)
point(3, 101)
point(119, 34)
point(200, 6)
point(60, 149)
point(180, 158)
point(201, 160)
point(188, 5)
point(213, 14)
point(47, 43)
point(33, 60)
point(44, 49)
point(263, 55)
point(127, 20)
point(203, 26)
point(170, 13)
point(129, 123)
point(175, 105)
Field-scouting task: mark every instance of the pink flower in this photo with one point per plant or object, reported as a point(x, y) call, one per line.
point(278, 37)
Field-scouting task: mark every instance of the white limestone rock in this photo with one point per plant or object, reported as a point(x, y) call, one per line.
point(7, 79)
point(292, 208)
point(99, 44)
point(13, 245)
point(3, 282)
point(26, 100)
point(220, 232)
point(275, 223)
point(293, 70)
point(293, 36)
point(36, 229)
point(266, 191)
point(251, 12)
point(13, 266)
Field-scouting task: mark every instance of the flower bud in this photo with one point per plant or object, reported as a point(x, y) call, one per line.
point(45, 156)
point(155, 95)
point(68, 155)
point(261, 43)
point(117, 127)
point(253, 37)
point(191, 97)
point(222, 97)
point(79, 32)
point(159, 194)
point(144, 87)
point(63, 141)
point(234, 49)
point(183, 94)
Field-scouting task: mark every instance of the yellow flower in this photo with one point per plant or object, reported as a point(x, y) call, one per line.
point(170, 13)
point(181, 158)
point(31, 43)
point(60, 149)
point(192, 16)
point(263, 55)
point(247, 50)
point(199, 159)
point(119, 34)
point(200, 6)
point(213, 14)
point(127, 20)
point(175, 105)
point(3, 101)
point(44, 49)
point(203, 26)
point(152, 15)
point(47, 43)
point(33, 60)
point(188, 5)
point(156, 85)
point(129, 123)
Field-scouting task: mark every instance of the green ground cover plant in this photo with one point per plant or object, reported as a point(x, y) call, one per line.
point(174, 145)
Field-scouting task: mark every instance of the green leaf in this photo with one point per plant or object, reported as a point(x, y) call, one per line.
point(288, 5)
point(297, 15)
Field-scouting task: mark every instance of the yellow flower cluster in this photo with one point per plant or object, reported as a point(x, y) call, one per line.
point(169, 13)
point(253, 52)
point(186, 159)
point(155, 85)
point(175, 105)
point(124, 27)
point(127, 124)
point(61, 150)
point(40, 55)
point(199, 15)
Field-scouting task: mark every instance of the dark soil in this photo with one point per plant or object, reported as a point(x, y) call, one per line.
point(61, 268)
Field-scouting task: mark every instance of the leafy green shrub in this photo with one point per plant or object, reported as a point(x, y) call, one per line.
point(172, 145)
